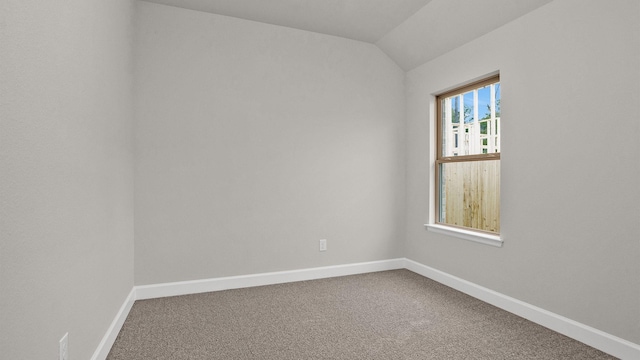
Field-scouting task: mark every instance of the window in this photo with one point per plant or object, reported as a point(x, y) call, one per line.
point(468, 158)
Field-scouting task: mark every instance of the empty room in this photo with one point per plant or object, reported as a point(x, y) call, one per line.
point(304, 179)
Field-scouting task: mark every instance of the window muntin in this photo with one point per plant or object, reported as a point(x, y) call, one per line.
point(468, 157)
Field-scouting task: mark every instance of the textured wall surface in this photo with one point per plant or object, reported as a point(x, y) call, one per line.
point(254, 141)
point(66, 173)
point(570, 201)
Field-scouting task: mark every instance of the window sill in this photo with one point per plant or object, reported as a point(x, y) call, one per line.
point(488, 239)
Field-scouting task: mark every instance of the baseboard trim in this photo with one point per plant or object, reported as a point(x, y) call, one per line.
point(112, 333)
point(280, 277)
point(600, 340)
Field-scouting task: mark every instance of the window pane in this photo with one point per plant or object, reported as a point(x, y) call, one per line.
point(484, 102)
point(470, 194)
point(470, 121)
point(497, 94)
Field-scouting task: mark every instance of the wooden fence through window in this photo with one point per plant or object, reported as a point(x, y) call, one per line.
point(472, 192)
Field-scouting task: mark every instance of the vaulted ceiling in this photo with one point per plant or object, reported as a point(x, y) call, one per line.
point(410, 31)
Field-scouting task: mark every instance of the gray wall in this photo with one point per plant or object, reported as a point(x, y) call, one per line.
point(66, 165)
point(254, 141)
point(570, 76)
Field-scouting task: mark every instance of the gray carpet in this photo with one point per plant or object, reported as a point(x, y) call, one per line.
point(386, 315)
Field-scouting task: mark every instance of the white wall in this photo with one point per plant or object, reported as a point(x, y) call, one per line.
point(66, 165)
point(254, 141)
point(570, 75)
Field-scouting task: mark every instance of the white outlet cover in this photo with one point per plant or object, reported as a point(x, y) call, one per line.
point(64, 347)
point(323, 245)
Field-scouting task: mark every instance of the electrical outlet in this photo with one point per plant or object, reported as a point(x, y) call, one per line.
point(323, 245)
point(64, 347)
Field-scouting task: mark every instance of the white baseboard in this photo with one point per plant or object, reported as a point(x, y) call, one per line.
point(112, 333)
point(280, 277)
point(232, 282)
point(600, 340)
point(593, 337)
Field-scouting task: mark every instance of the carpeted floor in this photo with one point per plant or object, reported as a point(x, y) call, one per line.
point(386, 315)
